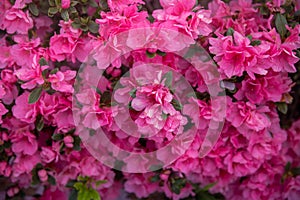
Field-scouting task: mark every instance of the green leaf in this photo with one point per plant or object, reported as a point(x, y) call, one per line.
point(177, 105)
point(280, 22)
point(93, 194)
point(296, 171)
point(164, 116)
point(255, 42)
point(287, 167)
point(43, 61)
point(70, 183)
point(52, 11)
point(132, 93)
point(100, 182)
point(65, 15)
point(249, 37)
point(150, 55)
point(40, 124)
point(33, 9)
point(51, 3)
point(76, 25)
point(35, 95)
point(177, 184)
point(282, 107)
point(168, 77)
point(93, 3)
point(57, 137)
point(160, 53)
point(51, 180)
point(57, 2)
point(74, 3)
point(230, 32)
point(208, 186)
point(155, 178)
point(73, 195)
point(83, 178)
point(76, 143)
point(93, 27)
point(54, 71)
point(79, 186)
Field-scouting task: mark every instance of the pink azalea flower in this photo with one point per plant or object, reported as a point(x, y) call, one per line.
point(65, 4)
point(235, 55)
point(16, 20)
point(3, 111)
point(140, 185)
point(24, 143)
point(24, 111)
point(247, 115)
point(62, 81)
point(48, 155)
point(32, 75)
point(271, 87)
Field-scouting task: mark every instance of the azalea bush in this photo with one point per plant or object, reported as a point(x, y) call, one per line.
point(133, 99)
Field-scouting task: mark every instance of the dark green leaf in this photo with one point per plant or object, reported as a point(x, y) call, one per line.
point(35, 95)
point(74, 3)
point(51, 3)
point(255, 42)
point(280, 22)
point(40, 124)
point(52, 11)
point(230, 32)
point(295, 171)
point(33, 9)
point(70, 183)
point(76, 143)
point(93, 27)
point(73, 195)
point(54, 71)
point(161, 53)
point(35, 179)
point(287, 167)
point(207, 187)
point(57, 2)
point(43, 61)
point(57, 137)
point(155, 178)
point(249, 37)
point(65, 15)
point(76, 25)
point(93, 3)
point(51, 180)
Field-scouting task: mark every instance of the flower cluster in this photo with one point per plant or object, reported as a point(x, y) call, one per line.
point(203, 122)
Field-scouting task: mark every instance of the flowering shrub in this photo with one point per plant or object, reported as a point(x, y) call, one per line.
point(135, 99)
